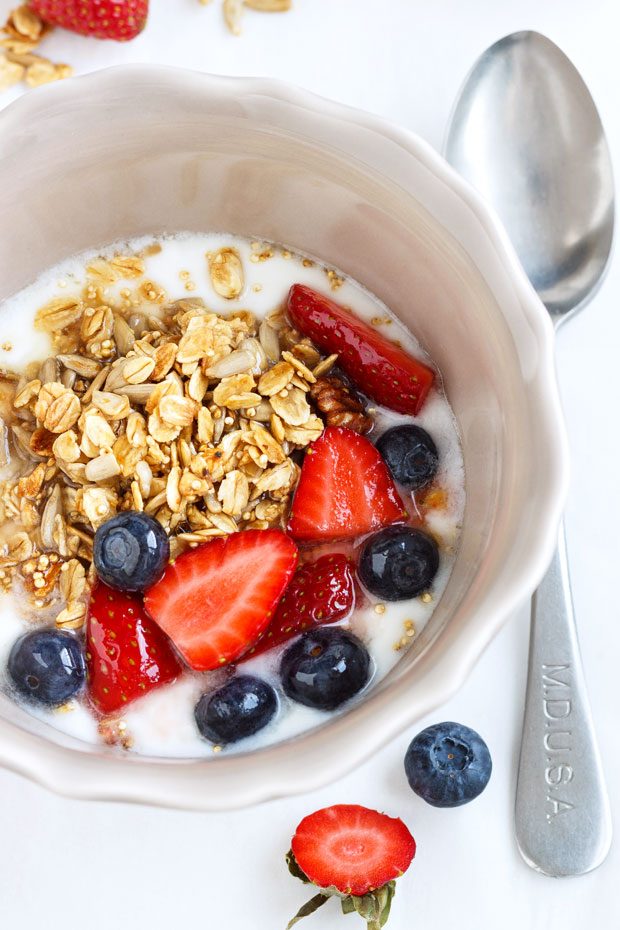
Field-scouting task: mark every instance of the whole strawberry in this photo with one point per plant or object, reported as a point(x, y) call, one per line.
point(103, 19)
point(352, 853)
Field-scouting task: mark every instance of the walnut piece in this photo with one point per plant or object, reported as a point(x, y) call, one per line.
point(339, 407)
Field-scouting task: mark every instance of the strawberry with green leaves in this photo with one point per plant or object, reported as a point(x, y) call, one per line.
point(352, 853)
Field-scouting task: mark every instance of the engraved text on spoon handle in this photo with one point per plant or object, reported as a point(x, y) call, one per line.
point(562, 815)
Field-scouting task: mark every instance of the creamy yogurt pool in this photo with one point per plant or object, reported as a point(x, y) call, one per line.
point(98, 308)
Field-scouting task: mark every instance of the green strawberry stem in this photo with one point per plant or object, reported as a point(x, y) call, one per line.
point(374, 907)
point(308, 908)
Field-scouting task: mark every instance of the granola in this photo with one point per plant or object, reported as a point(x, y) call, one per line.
point(190, 415)
point(20, 36)
point(193, 402)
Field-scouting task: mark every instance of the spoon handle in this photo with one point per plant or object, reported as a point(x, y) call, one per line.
point(563, 821)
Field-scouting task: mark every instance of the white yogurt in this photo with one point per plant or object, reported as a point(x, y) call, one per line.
point(162, 723)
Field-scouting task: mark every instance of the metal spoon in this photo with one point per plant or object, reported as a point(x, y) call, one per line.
point(526, 133)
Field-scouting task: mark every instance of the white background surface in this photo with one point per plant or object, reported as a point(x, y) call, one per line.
point(66, 865)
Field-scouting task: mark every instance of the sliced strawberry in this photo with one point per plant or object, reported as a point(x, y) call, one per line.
point(216, 600)
point(352, 848)
point(344, 490)
point(378, 367)
point(127, 655)
point(104, 19)
point(320, 592)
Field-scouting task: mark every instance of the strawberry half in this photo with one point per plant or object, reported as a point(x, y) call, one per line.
point(127, 655)
point(352, 851)
point(215, 601)
point(103, 19)
point(320, 592)
point(352, 848)
point(344, 490)
point(378, 367)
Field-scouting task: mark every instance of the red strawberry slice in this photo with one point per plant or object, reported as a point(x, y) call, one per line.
point(127, 655)
point(215, 601)
point(378, 367)
point(104, 19)
point(320, 592)
point(344, 490)
point(352, 848)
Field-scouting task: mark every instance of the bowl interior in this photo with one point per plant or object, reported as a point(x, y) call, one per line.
point(93, 169)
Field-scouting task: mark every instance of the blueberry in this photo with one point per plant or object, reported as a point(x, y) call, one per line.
point(324, 668)
point(47, 666)
point(410, 454)
point(131, 551)
point(398, 563)
point(448, 764)
point(240, 708)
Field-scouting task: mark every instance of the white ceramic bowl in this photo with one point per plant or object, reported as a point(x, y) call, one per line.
point(138, 150)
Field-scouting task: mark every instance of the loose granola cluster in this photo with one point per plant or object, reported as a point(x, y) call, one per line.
point(20, 36)
point(24, 30)
point(167, 407)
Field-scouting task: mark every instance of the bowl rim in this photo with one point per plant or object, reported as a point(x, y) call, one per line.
point(89, 775)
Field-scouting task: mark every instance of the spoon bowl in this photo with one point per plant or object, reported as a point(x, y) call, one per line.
point(526, 133)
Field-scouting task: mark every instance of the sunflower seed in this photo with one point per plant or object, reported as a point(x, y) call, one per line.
point(234, 364)
point(270, 341)
point(51, 510)
point(96, 384)
point(68, 378)
point(124, 335)
point(84, 367)
point(137, 323)
point(21, 441)
point(5, 455)
point(137, 393)
point(48, 371)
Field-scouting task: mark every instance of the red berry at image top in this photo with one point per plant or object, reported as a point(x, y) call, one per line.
point(320, 592)
point(379, 368)
point(344, 490)
point(352, 848)
point(215, 601)
point(127, 655)
point(103, 19)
